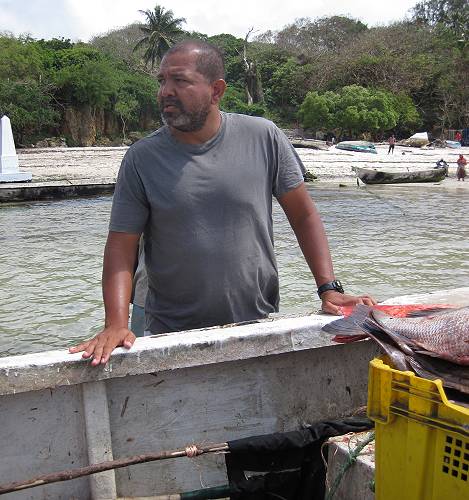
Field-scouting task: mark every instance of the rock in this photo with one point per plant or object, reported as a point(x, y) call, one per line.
point(51, 142)
point(309, 176)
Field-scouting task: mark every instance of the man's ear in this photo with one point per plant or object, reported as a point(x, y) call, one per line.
point(218, 89)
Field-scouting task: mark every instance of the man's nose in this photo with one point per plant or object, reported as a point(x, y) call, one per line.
point(166, 88)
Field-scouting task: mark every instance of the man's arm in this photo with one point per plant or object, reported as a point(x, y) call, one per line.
point(118, 267)
point(309, 230)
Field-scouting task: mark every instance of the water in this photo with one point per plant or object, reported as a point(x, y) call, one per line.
point(387, 242)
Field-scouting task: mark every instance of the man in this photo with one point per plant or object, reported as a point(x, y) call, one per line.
point(200, 189)
point(392, 143)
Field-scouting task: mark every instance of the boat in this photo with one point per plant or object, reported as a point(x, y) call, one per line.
point(377, 176)
point(418, 140)
point(169, 391)
point(211, 385)
point(453, 144)
point(310, 143)
point(357, 146)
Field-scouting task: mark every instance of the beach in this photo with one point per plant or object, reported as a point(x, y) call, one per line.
point(332, 167)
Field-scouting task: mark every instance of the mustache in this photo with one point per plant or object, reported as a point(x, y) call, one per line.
point(171, 101)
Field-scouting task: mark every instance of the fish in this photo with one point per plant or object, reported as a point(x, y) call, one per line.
point(432, 342)
point(442, 333)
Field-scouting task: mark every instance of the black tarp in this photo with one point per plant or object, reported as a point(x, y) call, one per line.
point(285, 465)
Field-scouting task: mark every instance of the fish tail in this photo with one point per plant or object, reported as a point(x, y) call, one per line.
point(350, 325)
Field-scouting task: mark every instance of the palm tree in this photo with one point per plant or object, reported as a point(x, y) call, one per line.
point(161, 30)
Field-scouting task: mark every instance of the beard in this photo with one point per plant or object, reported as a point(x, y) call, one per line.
point(182, 119)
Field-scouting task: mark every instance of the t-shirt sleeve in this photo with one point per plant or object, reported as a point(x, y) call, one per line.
point(130, 208)
point(289, 169)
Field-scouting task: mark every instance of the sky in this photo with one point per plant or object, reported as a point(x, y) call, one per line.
point(81, 19)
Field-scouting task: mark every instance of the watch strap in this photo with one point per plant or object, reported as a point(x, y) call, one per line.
point(331, 285)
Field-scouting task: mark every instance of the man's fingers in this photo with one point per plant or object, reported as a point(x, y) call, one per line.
point(108, 348)
point(100, 347)
point(79, 347)
point(129, 340)
point(368, 301)
point(98, 352)
point(90, 348)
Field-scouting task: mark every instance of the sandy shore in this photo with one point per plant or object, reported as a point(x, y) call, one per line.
point(332, 167)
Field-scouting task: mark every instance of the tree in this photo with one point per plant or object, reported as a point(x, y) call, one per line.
point(357, 110)
point(313, 37)
point(449, 14)
point(252, 81)
point(120, 43)
point(161, 31)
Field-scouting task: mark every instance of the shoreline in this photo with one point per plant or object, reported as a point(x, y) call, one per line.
point(67, 172)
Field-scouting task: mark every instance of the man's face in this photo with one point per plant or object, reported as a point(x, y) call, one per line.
point(185, 96)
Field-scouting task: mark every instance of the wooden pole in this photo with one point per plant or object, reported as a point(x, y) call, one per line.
point(66, 475)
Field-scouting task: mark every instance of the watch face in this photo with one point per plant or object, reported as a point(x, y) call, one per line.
point(338, 286)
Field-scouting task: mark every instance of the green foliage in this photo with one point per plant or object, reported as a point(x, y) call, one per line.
point(330, 68)
point(29, 107)
point(357, 110)
point(93, 83)
point(39, 79)
point(232, 49)
point(288, 86)
point(19, 61)
point(234, 101)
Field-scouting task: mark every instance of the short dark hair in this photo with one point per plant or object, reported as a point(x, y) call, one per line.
point(209, 62)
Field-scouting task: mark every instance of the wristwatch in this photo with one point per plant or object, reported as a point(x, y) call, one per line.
point(331, 285)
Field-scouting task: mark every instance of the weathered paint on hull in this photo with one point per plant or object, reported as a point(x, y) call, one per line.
point(170, 391)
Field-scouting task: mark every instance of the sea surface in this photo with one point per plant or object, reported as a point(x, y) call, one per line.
point(386, 241)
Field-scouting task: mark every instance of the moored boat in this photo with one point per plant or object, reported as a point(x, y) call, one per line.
point(357, 146)
point(375, 176)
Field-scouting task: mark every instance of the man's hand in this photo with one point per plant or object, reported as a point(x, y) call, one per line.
point(332, 301)
point(100, 347)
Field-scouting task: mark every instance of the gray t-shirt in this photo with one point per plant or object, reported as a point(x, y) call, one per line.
point(206, 214)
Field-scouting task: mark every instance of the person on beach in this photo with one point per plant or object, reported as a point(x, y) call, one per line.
point(200, 190)
point(391, 142)
point(461, 169)
point(458, 136)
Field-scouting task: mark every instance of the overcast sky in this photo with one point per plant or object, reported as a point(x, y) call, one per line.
point(81, 19)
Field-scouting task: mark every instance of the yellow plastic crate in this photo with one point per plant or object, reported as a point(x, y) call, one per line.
point(422, 440)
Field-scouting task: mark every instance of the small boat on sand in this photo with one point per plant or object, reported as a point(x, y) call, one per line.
point(375, 176)
point(357, 146)
point(310, 143)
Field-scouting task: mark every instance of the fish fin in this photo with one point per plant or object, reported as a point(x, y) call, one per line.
point(350, 325)
point(397, 357)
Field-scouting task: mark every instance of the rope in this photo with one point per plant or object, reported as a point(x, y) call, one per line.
point(192, 451)
point(351, 459)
